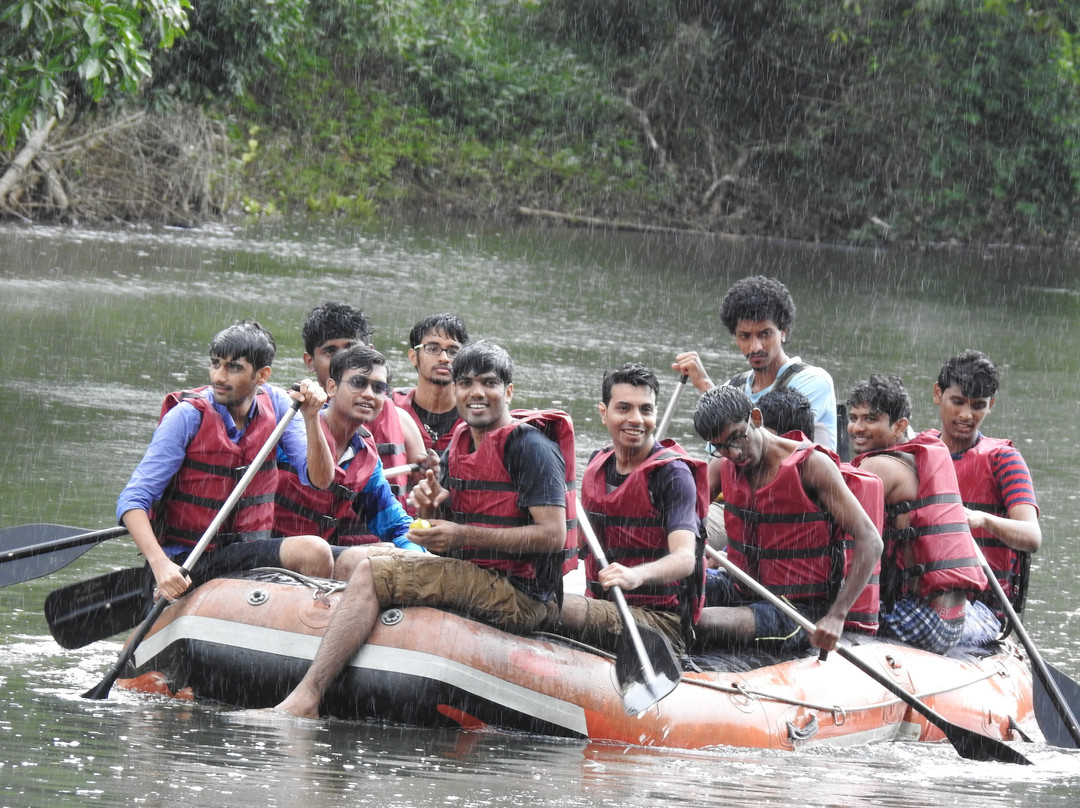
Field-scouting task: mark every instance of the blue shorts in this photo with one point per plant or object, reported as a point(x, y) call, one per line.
point(774, 631)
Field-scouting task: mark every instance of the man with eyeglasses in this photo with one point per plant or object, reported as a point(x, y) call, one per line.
point(333, 327)
point(358, 507)
point(497, 559)
point(435, 341)
point(787, 511)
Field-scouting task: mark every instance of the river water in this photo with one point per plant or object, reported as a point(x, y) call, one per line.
point(97, 325)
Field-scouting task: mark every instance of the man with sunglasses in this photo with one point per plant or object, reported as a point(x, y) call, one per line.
point(358, 507)
point(435, 341)
point(787, 511)
point(334, 327)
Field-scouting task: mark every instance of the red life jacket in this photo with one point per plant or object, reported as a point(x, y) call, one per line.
point(482, 493)
point(303, 510)
point(404, 400)
point(390, 443)
point(631, 531)
point(870, 491)
point(212, 466)
point(789, 543)
point(980, 492)
point(938, 533)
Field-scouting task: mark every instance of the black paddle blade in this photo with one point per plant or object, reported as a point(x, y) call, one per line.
point(1050, 720)
point(640, 691)
point(19, 563)
point(975, 746)
point(88, 611)
point(102, 688)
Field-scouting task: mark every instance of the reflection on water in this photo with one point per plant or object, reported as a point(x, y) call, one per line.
point(98, 325)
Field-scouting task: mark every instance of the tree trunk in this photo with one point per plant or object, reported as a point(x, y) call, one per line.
point(23, 159)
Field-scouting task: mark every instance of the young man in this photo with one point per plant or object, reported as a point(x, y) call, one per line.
point(994, 480)
point(358, 507)
point(929, 565)
point(333, 327)
point(205, 438)
point(760, 314)
point(782, 411)
point(787, 512)
point(435, 341)
point(645, 500)
point(507, 539)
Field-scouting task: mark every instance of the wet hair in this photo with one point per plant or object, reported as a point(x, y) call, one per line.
point(971, 371)
point(245, 339)
point(756, 299)
point(884, 394)
point(334, 320)
point(786, 410)
point(633, 373)
point(483, 357)
point(449, 324)
point(358, 357)
point(720, 407)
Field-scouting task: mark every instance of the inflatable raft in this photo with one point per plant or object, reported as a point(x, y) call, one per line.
point(247, 641)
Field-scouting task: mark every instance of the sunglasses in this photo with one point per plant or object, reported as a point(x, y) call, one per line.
point(360, 383)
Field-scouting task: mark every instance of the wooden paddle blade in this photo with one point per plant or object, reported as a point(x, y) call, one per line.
point(640, 691)
point(88, 611)
point(1050, 720)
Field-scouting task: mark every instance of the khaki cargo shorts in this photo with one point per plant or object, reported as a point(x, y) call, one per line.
point(407, 578)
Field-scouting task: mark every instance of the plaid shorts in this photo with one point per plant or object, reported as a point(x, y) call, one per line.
point(981, 625)
point(916, 623)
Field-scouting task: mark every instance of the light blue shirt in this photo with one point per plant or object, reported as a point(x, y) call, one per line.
point(817, 385)
point(178, 427)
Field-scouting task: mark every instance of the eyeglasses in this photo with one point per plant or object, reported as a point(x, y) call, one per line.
point(434, 349)
point(360, 383)
point(730, 444)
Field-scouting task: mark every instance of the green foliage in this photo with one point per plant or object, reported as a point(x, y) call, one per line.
point(230, 45)
point(53, 52)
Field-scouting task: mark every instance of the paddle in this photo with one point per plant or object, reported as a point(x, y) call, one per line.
point(968, 744)
point(1056, 720)
point(669, 411)
point(87, 611)
point(645, 665)
point(30, 551)
point(101, 690)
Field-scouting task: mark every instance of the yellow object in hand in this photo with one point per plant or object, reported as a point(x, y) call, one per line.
point(420, 524)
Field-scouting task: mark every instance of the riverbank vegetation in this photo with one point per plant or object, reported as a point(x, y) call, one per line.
point(908, 122)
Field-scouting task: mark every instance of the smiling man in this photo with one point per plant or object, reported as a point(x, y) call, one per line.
point(929, 566)
point(358, 507)
point(499, 556)
point(787, 510)
point(646, 501)
point(760, 313)
point(205, 437)
point(994, 480)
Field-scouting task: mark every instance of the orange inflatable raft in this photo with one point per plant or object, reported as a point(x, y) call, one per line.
point(247, 641)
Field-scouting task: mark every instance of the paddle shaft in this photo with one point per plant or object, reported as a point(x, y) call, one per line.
point(629, 624)
point(102, 689)
point(969, 744)
point(1037, 662)
point(669, 411)
point(66, 543)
